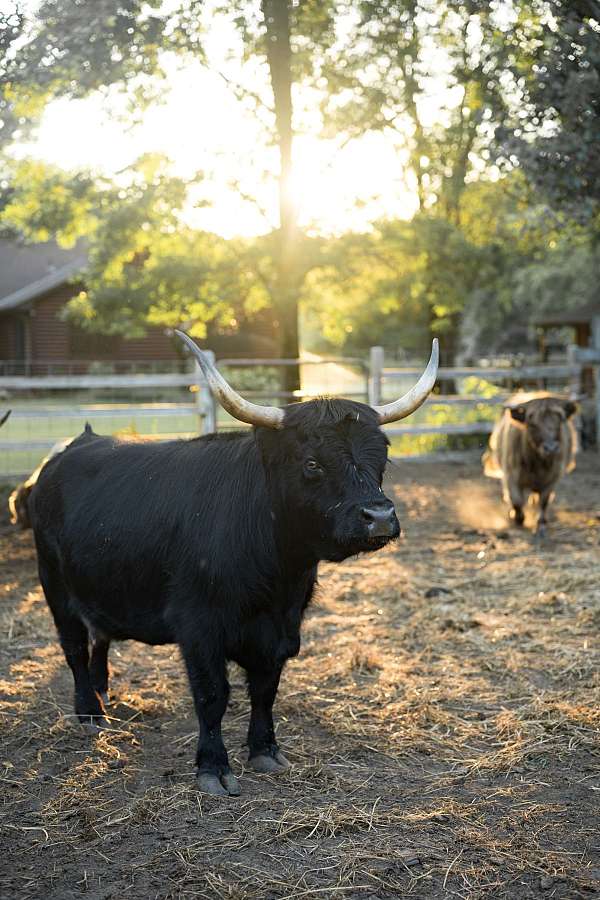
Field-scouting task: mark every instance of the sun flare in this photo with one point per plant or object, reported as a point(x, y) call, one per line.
point(336, 187)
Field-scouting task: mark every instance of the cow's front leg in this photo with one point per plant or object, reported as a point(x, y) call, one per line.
point(517, 498)
point(545, 498)
point(208, 681)
point(263, 753)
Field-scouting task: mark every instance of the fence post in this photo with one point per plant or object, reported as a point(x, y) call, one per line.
point(205, 402)
point(574, 383)
point(376, 358)
point(596, 347)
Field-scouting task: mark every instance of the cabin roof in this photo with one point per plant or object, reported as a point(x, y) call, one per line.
point(28, 271)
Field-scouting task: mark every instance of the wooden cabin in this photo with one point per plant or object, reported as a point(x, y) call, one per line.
point(37, 280)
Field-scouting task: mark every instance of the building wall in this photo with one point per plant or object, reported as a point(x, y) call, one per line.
point(50, 339)
point(53, 339)
point(49, 335)
point(7, 336)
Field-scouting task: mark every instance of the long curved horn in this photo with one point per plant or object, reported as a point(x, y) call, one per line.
point(5, 417)
point(243, 410)
point(417, 395)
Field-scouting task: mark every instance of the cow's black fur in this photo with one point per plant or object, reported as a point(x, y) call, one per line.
point(211, 543)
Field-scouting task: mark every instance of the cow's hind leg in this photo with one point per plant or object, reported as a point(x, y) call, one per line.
point(73, 635)
point(210, 689)
point(263, 753)
point(99, 666)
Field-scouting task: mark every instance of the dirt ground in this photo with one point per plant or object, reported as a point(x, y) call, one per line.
point(442, 719)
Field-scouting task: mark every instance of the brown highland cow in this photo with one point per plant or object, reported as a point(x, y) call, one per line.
point(531, 447)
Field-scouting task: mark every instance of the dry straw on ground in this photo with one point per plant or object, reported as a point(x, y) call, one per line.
point(443, 720)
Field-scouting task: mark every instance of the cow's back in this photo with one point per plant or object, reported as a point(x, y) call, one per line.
point(131, 526)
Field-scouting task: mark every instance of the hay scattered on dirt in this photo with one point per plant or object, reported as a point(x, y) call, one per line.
point(443, 720)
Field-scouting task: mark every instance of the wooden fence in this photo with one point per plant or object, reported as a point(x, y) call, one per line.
point(46, 408)
point(372, 381)
point(382, 386)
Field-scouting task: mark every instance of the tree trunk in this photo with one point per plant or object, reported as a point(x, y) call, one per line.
point(276, 14)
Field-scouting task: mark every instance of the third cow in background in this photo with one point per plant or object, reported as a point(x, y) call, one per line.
point(530, 449)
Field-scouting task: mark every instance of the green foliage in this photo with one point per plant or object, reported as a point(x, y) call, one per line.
point(552, 127)
point(384, 75)
point(480, 258)
point(312, 31)
point(44, 201)
point(397, 285)
point(71, 48)
point(442, 415)
point(145, 267)
point(12, 26)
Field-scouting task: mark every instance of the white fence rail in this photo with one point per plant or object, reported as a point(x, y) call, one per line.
point(384, 380)
point(25, 438)
point(47, 408)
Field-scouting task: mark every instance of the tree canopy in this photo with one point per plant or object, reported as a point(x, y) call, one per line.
point(553, 132)
point(491, 109)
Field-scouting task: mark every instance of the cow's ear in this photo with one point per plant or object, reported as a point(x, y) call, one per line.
point(517, 413)
point(570, 408)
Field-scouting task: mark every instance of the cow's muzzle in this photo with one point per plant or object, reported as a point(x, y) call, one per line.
point(380, 520)
point(550, 448)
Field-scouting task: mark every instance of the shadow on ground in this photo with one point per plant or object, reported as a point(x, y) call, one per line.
point(442, 719)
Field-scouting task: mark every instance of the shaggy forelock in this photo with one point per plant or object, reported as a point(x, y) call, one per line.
point(313, 414)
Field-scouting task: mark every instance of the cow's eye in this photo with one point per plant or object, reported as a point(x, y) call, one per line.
point(312, 467)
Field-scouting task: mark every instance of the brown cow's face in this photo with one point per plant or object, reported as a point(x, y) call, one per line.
point(544, 421)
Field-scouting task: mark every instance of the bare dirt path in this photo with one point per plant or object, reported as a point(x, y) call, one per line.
point(443, 721)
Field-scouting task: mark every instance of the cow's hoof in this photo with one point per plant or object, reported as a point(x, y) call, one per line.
point(225, 786)
point(231, 784)
point(93, 724)
point(269, 765)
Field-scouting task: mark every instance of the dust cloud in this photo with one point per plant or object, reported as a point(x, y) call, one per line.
point(479, 505)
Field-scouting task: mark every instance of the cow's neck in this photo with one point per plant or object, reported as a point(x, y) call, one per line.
point(266, 530)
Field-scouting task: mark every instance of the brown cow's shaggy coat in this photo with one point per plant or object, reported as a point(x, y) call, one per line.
point(531, 447)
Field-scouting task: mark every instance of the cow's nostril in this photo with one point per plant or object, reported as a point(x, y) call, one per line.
point(551, 446)
point(377, 515)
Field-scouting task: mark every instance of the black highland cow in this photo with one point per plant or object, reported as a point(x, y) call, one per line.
point(212, 544)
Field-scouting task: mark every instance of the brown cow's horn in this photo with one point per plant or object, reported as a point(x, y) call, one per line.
point(243, 410)
point(417, 395)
